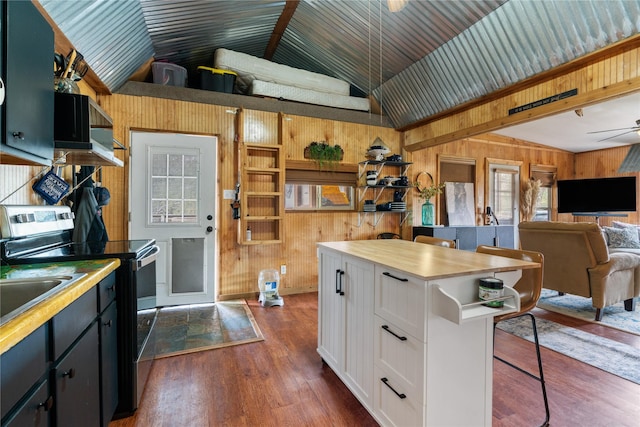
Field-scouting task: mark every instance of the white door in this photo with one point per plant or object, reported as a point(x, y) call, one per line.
point(504, 195)
point(172, 199)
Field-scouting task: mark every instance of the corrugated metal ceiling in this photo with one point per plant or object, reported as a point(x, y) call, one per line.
point(433, 56)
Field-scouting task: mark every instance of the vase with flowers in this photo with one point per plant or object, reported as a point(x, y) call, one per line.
point(428, 208)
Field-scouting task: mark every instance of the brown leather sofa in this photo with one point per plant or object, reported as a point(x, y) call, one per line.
point(578, 262)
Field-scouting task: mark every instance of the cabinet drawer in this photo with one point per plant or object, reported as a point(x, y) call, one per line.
point(401, 354)
point(35, 411)
point(393, 405)
point(401, 299)
point(106, 291)
point(70, 322)
point(21, 367)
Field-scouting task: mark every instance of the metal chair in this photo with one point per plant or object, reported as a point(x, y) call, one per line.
point(529, 287)
point(435, 241)
point(389, 236)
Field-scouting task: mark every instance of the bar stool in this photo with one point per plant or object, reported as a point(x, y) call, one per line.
point(389, 236)
point(435, 241)
point(529, 287)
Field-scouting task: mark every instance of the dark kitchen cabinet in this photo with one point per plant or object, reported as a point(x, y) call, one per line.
point(26, 65)
point(66, 372)
point(108, 348)
point(77, 377)
point(23, 368)
point(469, 238)
point(35, 411)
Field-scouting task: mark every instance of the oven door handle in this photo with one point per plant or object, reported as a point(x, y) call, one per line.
point(148, 258)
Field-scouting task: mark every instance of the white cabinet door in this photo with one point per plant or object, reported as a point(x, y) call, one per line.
point(345, 325)
point(331, 305)
point(359, 329)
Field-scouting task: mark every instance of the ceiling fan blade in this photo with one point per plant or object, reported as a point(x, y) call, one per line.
point(614, 130)
point(620, 134)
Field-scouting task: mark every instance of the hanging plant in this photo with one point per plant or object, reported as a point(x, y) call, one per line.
point(323, 153)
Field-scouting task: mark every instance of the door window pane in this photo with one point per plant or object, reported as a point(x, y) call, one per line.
point(174, 187)
point(505, 195)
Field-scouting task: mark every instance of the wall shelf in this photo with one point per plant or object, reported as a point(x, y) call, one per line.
point(261, 169)
point(379, 190)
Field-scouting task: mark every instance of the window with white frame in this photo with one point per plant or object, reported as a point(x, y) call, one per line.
point(307, 190)
point(547, 177)
point(504, 193)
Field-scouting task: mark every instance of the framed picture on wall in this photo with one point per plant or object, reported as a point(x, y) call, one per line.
point(459, 197)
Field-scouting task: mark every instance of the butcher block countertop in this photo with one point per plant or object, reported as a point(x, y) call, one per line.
point(426, 261)
point(20, 326)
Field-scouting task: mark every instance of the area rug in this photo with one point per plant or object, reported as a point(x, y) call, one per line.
point(612, 356)
point(198, 327)
point(614, 316)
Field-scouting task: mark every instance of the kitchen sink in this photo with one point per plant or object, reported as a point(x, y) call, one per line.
point(20, 294)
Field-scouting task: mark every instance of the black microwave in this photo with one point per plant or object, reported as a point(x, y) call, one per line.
point(83, 132)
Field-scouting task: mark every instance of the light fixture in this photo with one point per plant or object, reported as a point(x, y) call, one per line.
point(396, 5)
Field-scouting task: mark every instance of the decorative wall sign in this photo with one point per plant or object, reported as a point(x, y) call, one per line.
point(544, 101)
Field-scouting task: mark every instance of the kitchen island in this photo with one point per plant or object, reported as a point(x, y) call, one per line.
point(400, 323)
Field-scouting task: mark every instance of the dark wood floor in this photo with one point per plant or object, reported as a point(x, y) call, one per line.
point(282, 382)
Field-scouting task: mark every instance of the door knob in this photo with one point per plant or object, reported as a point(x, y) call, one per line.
point(209, 229)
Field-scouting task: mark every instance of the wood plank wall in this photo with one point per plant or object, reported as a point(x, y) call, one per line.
point(489, 146)
point(239, 265)
point(16, 182)
point(605, 163)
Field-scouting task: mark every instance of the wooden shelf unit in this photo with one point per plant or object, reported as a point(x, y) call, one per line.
point(261, 193)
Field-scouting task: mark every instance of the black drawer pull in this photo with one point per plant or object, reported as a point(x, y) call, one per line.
point(70, 373)
point(386, 382)
point(386, 273)
point(108, 323)
point(47, 404)
point(386, 328)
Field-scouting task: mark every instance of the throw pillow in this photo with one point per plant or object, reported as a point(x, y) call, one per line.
point(622, 237)
point(619, 224)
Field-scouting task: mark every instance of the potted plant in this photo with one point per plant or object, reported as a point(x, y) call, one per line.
point(323, 153)
point(428, 209)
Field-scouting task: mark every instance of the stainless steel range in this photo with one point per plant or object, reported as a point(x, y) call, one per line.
point(39, 234)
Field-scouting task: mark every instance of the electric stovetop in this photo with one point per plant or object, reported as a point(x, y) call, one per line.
point(123, 249)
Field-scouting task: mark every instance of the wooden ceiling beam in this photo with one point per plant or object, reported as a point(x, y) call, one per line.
point(285, 17)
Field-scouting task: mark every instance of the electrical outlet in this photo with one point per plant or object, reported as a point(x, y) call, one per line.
point(283, 269)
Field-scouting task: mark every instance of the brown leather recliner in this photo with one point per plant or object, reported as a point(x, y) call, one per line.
point(578, 262)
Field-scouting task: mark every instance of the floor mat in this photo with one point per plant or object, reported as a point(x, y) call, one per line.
point(198, 327)
point(614, 316)
point(614, 357)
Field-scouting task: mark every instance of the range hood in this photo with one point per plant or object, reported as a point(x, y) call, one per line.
point(83, 132)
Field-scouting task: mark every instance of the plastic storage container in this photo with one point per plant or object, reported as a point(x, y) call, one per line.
point(216, 79)
point(268, 282)
point(165, 73)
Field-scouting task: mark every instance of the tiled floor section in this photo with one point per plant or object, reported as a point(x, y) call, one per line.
point(197, 327)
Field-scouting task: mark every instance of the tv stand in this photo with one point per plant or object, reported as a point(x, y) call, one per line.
point(599, 214)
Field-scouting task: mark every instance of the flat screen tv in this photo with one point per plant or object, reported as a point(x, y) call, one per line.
point(597, 195)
